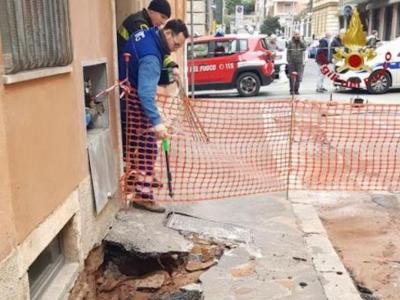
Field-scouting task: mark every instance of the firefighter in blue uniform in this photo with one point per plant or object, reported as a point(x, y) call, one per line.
point(156, 15)
point(147, 49)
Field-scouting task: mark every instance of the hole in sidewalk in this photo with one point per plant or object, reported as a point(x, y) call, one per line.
point(111, 272)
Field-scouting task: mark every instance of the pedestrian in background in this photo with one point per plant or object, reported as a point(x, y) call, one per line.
point(147, 48)
point(295, 57)
point(322, 58)
point(373, 39)
point(271, 43)
point(337, 42)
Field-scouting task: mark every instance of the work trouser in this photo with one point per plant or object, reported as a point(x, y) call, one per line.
point(299, 68)
point(140, 147)
point(321, 78)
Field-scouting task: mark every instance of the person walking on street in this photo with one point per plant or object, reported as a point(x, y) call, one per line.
point(322, 58)
point(147, 48)
point(295, 58)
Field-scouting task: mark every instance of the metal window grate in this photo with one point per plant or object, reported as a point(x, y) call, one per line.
point(35, 34)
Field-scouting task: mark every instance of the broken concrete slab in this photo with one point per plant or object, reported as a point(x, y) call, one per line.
point(144, 232)
point(218, 231)
point(152, 281)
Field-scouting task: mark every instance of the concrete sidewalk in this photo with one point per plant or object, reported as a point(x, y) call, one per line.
point(288, 257)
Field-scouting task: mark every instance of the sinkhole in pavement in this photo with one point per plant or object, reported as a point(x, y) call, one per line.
point(113, 272)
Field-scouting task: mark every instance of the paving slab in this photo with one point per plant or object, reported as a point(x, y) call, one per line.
point(287, 257)
point(283, 268)
point(144, 232)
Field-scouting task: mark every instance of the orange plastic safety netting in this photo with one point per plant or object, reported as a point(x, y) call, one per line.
point(225, 148)
point(347, 147)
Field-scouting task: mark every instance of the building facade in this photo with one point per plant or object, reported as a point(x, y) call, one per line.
point(55, 206)
point(287, 10)
point(202, 16)
point(383, 16)
point(325, 17)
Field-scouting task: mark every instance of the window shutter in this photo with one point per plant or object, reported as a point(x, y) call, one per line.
point(35, 34)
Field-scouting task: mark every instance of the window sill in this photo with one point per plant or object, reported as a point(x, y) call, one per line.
point(35, 74)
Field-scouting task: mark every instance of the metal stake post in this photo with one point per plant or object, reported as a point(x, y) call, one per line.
point(293, 76)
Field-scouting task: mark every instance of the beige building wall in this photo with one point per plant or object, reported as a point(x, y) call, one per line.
point(325, 17)
point(45, 134)
point(43, 156)
point(7, 232)
point(45, 186)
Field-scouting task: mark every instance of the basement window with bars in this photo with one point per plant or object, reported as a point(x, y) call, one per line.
point(35, 34)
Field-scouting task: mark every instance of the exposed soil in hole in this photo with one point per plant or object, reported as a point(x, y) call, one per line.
point(112, 273)
point(367, 238)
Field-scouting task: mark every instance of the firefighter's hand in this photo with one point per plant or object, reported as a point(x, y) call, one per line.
point(161, 131)
point(176, 74)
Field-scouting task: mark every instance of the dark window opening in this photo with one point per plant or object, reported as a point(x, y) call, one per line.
point(388, 23)
point(375, 19)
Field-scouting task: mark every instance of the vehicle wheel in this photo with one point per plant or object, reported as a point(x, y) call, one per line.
point(379, 85)
point(248, 84)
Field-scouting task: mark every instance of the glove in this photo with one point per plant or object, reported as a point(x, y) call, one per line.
point(161, 131)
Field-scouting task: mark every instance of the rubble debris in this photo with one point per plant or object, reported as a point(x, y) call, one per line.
point(183, 295)
point(243, 270)
point(95, 259)
point(112, 272)
point(153, 281)
point(197, 266)
point(148, 268)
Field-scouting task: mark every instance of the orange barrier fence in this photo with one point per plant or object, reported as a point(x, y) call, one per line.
point(222, 148)
point(346, 147)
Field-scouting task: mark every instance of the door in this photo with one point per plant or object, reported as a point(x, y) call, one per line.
point(200, 65)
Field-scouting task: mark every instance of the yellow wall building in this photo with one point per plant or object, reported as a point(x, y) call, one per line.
point(325, 17)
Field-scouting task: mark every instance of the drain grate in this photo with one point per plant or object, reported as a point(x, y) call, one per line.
point(211, 229)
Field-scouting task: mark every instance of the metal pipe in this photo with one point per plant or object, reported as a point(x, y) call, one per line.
point(191, 51)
